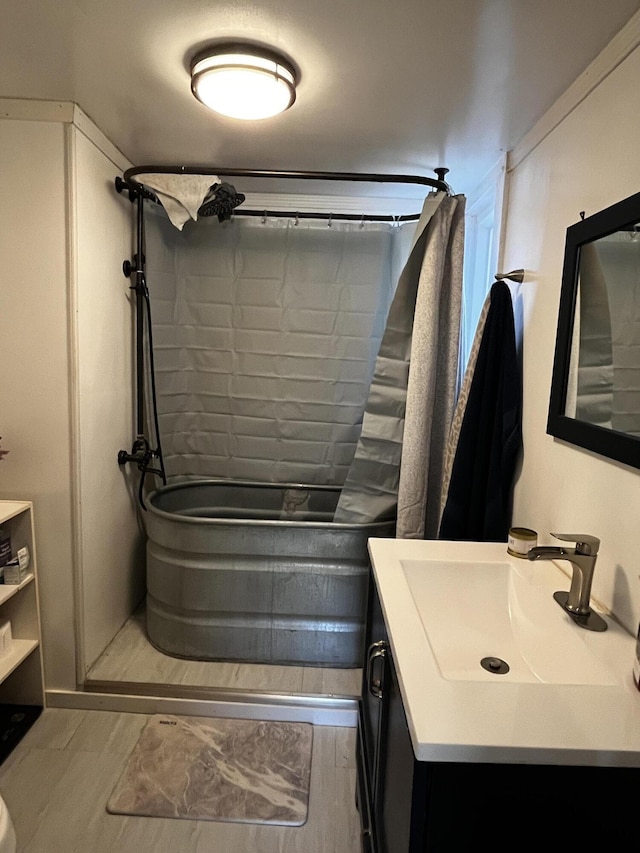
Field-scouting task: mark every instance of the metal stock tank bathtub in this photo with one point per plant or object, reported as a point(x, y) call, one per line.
point(241, 571)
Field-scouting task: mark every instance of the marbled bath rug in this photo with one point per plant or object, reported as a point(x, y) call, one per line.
point(204, 768)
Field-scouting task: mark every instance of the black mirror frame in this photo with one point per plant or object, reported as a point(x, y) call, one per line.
point(606, 442)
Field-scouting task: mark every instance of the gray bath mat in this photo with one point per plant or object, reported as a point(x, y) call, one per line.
point(203, 768)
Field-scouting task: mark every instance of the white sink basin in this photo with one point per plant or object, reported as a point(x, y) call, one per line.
point(504, 610)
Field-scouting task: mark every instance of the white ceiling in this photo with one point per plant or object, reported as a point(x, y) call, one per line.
point(396, 86)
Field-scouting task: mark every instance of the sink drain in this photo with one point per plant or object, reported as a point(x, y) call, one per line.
point(495, 665)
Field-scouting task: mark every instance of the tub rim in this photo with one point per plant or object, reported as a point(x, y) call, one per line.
point(177, 517)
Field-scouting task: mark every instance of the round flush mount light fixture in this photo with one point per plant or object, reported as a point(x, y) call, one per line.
point(243, 81)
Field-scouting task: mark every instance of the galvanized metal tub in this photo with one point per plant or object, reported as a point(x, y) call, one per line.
point(241, 571)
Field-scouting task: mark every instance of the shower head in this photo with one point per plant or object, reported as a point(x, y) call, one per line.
point(220, 201)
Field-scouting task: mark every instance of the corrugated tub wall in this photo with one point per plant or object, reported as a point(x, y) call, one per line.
point(265, 338)
point(252, 572)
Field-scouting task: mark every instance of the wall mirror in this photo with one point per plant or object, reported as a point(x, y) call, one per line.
point(595, 386)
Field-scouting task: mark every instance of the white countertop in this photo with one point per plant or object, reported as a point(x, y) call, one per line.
point(497, 720)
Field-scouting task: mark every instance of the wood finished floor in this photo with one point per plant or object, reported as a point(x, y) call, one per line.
point(131, 657)
point(57, 781)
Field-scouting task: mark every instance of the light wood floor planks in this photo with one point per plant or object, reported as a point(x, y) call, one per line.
point(131, 657)
point(57, 781)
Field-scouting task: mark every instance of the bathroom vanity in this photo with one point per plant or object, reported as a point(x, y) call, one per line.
point(450, 753)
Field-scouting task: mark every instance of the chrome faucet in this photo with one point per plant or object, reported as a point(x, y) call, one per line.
point(576, 602)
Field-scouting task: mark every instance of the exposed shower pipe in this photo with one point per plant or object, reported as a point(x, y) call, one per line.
point(141, 451)
point(138, 287)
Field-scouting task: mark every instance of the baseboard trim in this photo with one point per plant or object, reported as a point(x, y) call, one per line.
point(129, 697)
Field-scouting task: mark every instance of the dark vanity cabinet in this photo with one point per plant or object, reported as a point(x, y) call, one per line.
point(410, 806)
point(391, 783)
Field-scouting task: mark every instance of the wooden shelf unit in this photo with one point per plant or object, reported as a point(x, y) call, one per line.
point(21, 672)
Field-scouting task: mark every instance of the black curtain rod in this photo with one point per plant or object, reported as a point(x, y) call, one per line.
point(129, 182)
point(141, 190)
point(348, 217)
point(368, 177)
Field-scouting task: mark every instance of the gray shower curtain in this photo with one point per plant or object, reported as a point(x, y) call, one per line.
point(594, 397)
point(266, 335)
point(398, 462)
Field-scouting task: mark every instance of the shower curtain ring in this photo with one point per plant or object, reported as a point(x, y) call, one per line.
point(329, 222)
point(264, 218)
point(297, 219)
point(362, 221)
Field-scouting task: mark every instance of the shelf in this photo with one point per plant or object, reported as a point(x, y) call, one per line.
point(20, 649)
point(9, 509)
point(8, 590)
point(21, 676)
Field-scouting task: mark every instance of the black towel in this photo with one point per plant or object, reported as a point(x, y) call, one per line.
point(478, 503)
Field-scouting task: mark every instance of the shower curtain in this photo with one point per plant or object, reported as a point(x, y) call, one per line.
point(265, 335)
point(593, 368)
point(400, 452)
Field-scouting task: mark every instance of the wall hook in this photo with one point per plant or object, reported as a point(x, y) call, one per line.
point(514, 275)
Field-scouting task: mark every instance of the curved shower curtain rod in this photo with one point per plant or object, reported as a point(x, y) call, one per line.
point(142, 452)
point(130, 182)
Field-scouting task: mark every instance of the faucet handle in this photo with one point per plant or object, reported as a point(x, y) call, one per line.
point(585, 544)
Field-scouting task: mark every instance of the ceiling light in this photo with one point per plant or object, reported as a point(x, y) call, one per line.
point(241, 82)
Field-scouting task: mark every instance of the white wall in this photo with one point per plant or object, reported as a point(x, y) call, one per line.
point(66, 375)
point(109, 544)
point(34, 366)
point(587, 162)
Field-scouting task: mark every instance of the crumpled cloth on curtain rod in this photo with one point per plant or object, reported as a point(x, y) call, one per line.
point(180, 195)
point(398, 461)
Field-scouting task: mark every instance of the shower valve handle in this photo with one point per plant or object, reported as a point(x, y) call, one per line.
point(140, 453)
